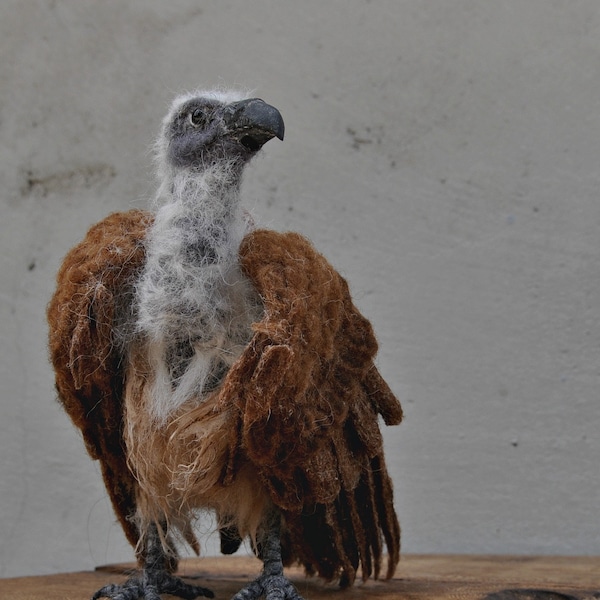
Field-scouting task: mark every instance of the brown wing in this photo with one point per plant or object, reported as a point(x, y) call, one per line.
point(308, 398)
point(94, 290)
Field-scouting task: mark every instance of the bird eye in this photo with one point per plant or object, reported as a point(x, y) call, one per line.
point(197, 117)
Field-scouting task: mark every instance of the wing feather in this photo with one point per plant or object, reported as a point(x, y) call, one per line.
point(85, 314)
point(307, 397)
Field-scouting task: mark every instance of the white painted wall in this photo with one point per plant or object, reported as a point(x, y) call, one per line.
point(444, 155)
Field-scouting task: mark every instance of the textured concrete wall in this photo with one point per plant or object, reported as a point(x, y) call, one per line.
point(445, 157)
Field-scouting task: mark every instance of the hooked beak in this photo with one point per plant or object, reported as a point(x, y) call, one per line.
point(253, 122)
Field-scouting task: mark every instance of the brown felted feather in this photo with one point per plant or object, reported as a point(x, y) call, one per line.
point(179, 465)
point(294, 423)
point(307, 398)
point(94, 285)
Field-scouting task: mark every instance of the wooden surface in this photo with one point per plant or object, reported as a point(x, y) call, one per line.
point(418, 577)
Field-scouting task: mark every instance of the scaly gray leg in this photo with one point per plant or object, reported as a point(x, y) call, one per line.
point(154, 580)
point(271, 583)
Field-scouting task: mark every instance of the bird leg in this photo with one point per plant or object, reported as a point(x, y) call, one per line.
point(155, 578)
point(271, 583)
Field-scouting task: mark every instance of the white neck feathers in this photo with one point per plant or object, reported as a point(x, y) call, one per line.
point(194, 306)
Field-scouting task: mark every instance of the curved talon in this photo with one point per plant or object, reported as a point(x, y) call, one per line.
point(136, 588)
point(274, 587)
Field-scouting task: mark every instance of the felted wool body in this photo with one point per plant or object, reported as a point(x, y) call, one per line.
point(294, 423)
point(94, 292)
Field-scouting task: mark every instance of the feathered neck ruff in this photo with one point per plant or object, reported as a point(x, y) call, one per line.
point(191, 298)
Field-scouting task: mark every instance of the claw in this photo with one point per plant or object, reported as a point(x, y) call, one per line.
point(274, 587)
point(155, 578)
point(136, 588)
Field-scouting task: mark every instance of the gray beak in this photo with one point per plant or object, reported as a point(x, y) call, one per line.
point(253, 122)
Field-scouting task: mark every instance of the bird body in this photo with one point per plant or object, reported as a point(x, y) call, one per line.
point(210, 365)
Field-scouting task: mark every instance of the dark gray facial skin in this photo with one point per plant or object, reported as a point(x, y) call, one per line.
point(204, 131)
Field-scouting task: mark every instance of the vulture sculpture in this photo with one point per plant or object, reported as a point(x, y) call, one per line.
point(211, 365)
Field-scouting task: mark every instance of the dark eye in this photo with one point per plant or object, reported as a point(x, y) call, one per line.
point(197, 117)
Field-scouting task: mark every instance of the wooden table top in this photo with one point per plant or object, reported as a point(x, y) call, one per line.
point(418, 577)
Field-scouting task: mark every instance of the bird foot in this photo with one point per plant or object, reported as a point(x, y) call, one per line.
point(150, 585)
point(272, 586)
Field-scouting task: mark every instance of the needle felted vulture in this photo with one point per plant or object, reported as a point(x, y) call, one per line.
point(213, 366)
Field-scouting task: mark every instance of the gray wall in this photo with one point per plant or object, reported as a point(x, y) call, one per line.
point(444, 155)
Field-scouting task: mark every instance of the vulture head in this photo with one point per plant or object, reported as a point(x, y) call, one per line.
point(204, 129)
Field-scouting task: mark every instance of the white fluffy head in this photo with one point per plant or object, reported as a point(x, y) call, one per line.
point(165, 170)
